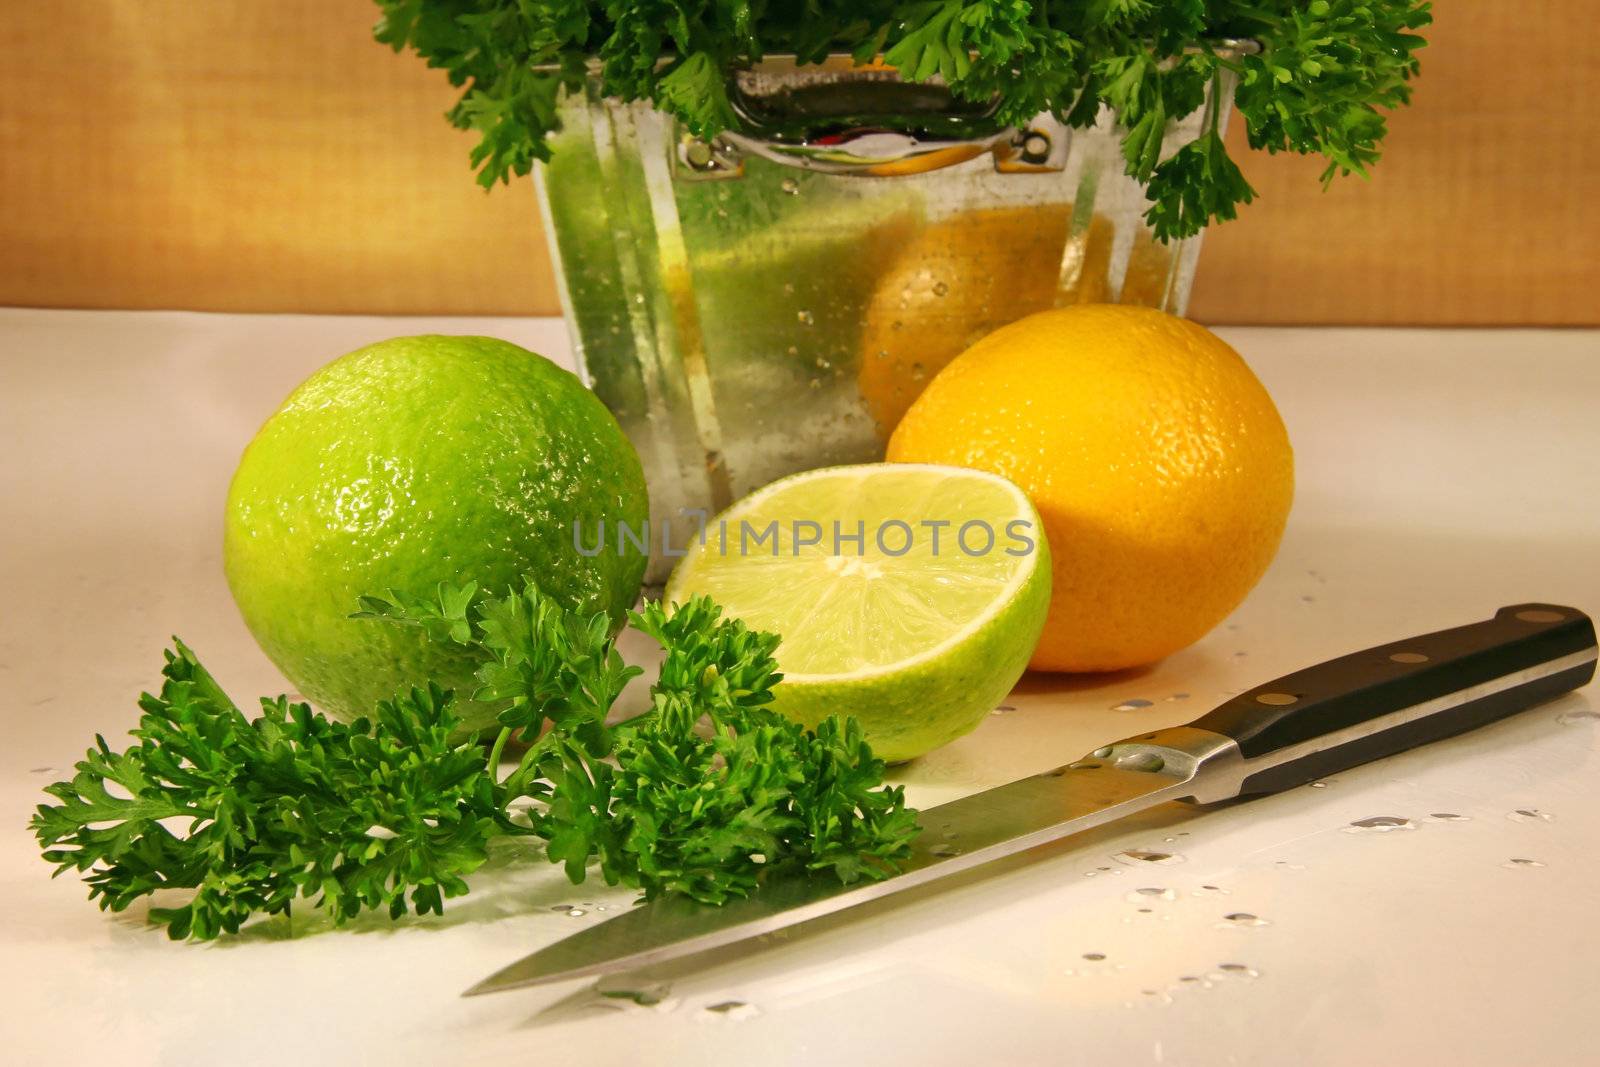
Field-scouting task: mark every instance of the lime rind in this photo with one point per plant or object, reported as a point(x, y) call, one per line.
point(416, 461)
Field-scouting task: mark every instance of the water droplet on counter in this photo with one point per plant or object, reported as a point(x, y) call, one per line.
point(1131, 705)
point(1380, 824)
point(946, 850)
point(1238, 970)
point(1286, 865)
point(645, 996)
point(1211, 890)
point(1319, 785)
point(1003, 708)
point(1094, 956)
point(1138, 896)
point(1308, 600)
point(790, 186)
point(1177, 696)
point(561, 907)
point(1568, 718)
point(1449, 816)
point(1244, 918)
point(736, 1010)
point(577, 913)
point(1518, 862)
point(805, 317)
point(38, 770)
point(1530, 815)
point(1133, 857)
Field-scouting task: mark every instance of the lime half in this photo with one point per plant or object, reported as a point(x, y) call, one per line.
point(907, 595)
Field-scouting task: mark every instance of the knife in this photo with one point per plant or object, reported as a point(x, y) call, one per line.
point(1303, 726)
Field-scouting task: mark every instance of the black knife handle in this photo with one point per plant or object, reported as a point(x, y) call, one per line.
point(1393, 697)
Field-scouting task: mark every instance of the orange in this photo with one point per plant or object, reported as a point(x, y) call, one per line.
point(1158, 463)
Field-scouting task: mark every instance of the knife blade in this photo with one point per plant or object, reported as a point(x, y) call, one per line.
point(1294, 729)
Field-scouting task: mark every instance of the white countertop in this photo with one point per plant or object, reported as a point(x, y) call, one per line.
point(1441, 474)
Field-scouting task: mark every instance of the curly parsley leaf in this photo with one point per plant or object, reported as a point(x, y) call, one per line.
point(252, 814)
point(1197, 183)
point(1325, 73)
point(700, 795)
point(707, 813)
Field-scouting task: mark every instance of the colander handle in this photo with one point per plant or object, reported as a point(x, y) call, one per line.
point(840, 117)
point(876, 152)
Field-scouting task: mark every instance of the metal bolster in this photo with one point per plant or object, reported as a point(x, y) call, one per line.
point(1210, 762)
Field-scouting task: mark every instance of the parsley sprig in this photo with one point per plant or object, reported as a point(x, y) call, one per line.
point(1325, 73)
point(700, 795)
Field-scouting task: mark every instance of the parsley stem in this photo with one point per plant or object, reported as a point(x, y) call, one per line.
point(497, 749)
point(1215, 104)
point(631, 720)
point(515, 781)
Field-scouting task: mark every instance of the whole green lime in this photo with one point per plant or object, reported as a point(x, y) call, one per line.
point(416, 461)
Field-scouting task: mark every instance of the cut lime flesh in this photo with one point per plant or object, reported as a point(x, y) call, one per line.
point(907, 595)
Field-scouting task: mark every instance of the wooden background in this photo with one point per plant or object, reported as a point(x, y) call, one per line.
point(266, 155)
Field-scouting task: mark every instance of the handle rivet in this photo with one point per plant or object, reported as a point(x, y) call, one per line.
point(1276, 700)
point(1408, 657)
point(1537, 615)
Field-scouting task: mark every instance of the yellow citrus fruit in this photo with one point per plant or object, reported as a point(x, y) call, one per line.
point(949, 285)
point(955, 281)
point(1158, 463)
